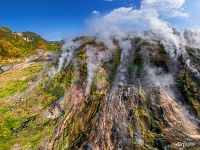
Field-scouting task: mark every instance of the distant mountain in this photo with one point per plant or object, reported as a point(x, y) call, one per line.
point(22, 44)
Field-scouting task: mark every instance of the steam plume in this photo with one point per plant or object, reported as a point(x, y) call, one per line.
point(92, 66)
point(68, 51)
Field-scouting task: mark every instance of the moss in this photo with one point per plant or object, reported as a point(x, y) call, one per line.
point(138, 66)
point(194, 54)
point(19, 124)
point(81, 57)
point(4, 109)
point(56, 91)
point(9, 127)
point(89, 112)
point(79, 126)
point(14, 87)
point(114, 64)
point(161, 48)
point(150, 129)
point(11, 82)
point(35, 131)
point(149, 137)
point(83, 72)
point(55, 88)
point(190, 89)
point(160, 142)
point(82, 137)
point(33, 68)
point(33, 142)
point(76, 131)
point(161, 59)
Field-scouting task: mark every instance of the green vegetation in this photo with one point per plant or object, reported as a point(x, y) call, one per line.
point(148, 126)
point(17, 81)
point(13, 87)
point(77, 129)
point(194, 53)
point(138, 66)
point(8, 127)
point(36, 109)
point(195, 56)
point(161, 48)
point(161, 58)
point(144, 122)
point(25, 131)
point(81, 56)
point(15, 114)
point(113, 64)
point(190, 89)
point(44, 96)
point(20, 45)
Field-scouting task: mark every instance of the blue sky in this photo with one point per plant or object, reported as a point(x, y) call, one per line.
point(54, 19)
point(57, 19)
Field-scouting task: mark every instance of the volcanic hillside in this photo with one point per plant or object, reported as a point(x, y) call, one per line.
point(139, 94)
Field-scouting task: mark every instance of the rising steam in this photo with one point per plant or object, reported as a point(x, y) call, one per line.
point(92, 66)
point(116, 30)
point(150, 21)
point(68, 52)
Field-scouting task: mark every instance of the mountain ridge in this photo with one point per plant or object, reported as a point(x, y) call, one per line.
point(23, 44)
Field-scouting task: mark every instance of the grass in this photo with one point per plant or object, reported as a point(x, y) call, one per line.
point(14, 87)
point(194, 53)
point(15, 115)
point(17, 81)
point(21, 123)
point(4, 109)
point(24, 131)
point(190, 90)
point(8, 127)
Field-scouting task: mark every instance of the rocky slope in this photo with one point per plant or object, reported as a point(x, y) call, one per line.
point(134, 96)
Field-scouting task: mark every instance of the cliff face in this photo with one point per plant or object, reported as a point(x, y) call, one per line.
point(134, 96)
point(137, 100)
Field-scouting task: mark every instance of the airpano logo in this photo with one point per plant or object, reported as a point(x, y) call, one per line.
point(181, 145)
point(185, 144)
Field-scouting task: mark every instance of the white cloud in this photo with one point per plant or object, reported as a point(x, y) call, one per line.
point(162, 4)
point(166, 8)
point(179, 13)
point(109, 0)
point(158, 16)
point(151, 16)
point(95, 12)
point(127, 19)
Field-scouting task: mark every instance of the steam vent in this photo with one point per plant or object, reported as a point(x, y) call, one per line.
point(100, 75)
point(131, 93)
point(136, 94)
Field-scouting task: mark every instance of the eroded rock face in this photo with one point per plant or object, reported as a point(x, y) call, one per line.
point(5, 68)
point(134, 97)
point(137, 108)
point(1, 70)
point(42, 56)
